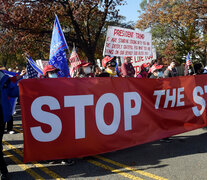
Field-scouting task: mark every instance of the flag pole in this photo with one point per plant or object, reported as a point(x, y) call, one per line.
point(193, 67)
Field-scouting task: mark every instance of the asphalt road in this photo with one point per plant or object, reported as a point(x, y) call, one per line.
point(185, 158)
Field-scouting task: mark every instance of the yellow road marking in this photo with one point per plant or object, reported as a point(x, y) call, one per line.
point(125, 166)
point(129, 176)
point(130, 168)
point(17, 130)
point(23, 166)
point(36, 164)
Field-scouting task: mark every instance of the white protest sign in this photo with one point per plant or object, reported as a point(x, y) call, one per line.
point(126, 42)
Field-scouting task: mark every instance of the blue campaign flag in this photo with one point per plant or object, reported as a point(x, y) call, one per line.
point(11, 74)
point(57, 50)
point(33, 70)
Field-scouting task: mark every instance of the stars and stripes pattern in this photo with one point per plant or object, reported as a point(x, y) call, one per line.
point(33, 71)
point(188, 60)
point(74, 61)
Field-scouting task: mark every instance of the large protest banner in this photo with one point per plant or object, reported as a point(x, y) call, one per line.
point(126, 42)
point(88, 116)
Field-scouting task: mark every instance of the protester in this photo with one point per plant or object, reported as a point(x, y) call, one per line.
point(156, 71)
point(151, 64)
point(205, 70)
point(7, 89)
point(84, 70)
point(171, 71)
point(198, 69)
point(127, 68)
point(97, 71)
point(109, 64)
point(51, 72)
point(144, 71)
point(9, 124)
point(188, 70)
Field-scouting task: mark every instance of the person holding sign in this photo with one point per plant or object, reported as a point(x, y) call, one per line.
point(127, 68)
point(50, 71)
point(109, 63)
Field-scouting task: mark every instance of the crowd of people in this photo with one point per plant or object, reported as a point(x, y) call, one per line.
point(9, 87)
point(147, 70)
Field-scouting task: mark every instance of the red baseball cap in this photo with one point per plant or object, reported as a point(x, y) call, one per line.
point(155, 67)
point(105, 60)
point(144, 65)
point(84, 64)
point(49, 68)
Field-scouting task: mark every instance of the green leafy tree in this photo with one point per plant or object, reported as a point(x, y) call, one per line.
point(181, 22)
point(32, 23)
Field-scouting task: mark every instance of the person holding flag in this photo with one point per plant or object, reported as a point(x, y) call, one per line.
point(171, 70)
point(189, 70)
point(50, 71)
point(57, 50)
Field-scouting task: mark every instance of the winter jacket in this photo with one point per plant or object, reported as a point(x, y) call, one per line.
point(7, 89)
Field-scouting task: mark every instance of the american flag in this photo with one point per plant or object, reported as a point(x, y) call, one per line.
point(33, 70)
point(188, 60)
point(74, 61)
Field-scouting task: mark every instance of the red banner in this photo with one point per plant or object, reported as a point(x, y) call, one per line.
point(69, 118)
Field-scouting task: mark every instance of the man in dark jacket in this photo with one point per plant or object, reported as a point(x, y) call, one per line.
point(7, 89)
point(171, 71)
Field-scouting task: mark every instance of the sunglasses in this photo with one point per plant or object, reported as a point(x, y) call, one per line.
point(111, 63)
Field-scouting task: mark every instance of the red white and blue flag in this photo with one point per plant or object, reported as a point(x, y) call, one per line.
point(74, 61)
point(188, 60)
point(33, 70)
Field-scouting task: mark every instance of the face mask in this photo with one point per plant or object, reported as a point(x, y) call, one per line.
point(52, 75)
point(87, 70)
point(160, 74)
point(1, 75)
